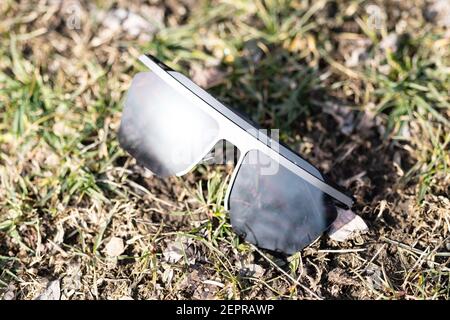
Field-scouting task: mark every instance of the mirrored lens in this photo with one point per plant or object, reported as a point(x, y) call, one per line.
point(278, 211)
point(162, 129)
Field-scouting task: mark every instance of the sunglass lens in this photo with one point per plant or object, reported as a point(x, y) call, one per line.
point(275, 209)
point(162, 129)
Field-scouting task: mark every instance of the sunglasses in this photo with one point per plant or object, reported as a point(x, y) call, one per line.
point(276, 199)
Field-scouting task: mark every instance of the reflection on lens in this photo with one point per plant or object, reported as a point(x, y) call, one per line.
point(162, 129)
point(280, 212)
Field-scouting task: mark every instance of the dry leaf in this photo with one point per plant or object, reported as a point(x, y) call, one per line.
point(115, 247)
point(373, 276)
point(439, 12)
point(52, 292)
point(390, 42)
point(178, 249)
point(173, 252)
point(10, 293)
point(346, 225)
point(252, 270)
point(206, 77)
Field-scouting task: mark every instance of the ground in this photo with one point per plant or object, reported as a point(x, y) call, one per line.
point(359, 88)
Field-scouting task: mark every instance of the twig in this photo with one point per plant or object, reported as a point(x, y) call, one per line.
point(342, 250)
point(286, 274)
point(414, 250)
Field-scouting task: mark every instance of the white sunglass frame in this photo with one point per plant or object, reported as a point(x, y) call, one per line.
point(237, 131)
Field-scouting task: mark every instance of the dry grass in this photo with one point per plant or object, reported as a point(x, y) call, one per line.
point(369, 106)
